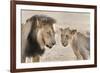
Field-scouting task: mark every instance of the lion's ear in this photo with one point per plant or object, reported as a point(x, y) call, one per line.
point(73, 31)
point(68, 28)
point(35, 21)
point(38, 23)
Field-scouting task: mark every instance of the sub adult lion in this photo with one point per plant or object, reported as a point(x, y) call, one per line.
point(78, 41)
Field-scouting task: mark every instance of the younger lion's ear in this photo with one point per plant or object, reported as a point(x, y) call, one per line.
point(73, 31)
point(68, 28)
point(60, 29)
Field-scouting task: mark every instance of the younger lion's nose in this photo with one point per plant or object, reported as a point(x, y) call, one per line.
point(54, 43)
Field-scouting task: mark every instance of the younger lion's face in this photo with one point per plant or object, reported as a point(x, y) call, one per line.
point(66, 36)
point(47, 36)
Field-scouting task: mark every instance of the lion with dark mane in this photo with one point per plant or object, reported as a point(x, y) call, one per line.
point(37, 33)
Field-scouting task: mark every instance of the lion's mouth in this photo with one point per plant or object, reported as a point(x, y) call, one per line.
point(49, 46)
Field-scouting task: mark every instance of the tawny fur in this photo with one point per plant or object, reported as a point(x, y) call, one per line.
point(78, 41)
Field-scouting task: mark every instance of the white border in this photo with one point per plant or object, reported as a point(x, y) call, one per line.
point(20, 65)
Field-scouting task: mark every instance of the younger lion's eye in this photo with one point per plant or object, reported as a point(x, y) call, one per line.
point(48, 32)
point(66, 36)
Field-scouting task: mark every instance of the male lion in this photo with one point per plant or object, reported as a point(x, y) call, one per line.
point(78, 41)
point(37, 36)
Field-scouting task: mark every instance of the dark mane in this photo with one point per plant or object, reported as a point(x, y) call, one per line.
point(42, 18)
point(33, 48)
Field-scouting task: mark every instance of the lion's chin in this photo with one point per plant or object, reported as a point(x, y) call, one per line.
point(42, 51)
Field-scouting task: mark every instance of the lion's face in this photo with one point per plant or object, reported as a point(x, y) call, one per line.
point(42, 27)
point(46, 36)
